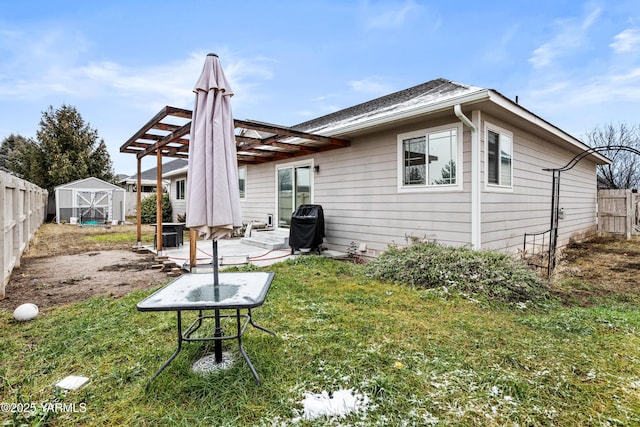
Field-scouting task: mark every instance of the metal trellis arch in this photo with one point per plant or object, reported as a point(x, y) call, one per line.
point(555, 200)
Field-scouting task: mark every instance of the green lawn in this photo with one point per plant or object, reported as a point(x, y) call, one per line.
point(420, 358)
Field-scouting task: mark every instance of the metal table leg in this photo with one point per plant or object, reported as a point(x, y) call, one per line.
point(217, 338)
point(262, 328)
point(244, 355)
point(173, 356)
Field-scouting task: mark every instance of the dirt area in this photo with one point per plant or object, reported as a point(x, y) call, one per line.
point(65, 264)
point(599, 268)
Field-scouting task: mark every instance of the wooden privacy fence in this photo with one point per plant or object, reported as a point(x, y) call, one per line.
point(619, 212)
point(23, 208)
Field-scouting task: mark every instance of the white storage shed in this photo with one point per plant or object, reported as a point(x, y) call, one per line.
point(90, 201)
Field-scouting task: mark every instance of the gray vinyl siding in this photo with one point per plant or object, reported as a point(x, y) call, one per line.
point(178, 206)
point(358, 190)
point(260, 193)
point(578, 199)
point(357, 187)
point(507, 216)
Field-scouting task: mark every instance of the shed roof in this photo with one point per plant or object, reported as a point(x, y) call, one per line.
point(89, 183)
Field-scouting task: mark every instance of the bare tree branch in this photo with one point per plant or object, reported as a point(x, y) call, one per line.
point(624, 171)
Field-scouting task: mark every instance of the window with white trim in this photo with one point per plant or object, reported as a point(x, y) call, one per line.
point(430, 158)
point(499, 157)
point(242, 181)
point(180, 189)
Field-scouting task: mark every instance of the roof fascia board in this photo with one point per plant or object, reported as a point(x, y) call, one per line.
point(383, 119)
point(180, 171)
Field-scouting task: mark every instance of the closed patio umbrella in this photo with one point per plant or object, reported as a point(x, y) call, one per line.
point(213, 194)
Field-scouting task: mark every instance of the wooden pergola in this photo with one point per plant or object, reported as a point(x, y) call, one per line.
point(167, 135)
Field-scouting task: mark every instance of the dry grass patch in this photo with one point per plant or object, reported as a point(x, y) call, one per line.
point(603, 267)
point(67, 239)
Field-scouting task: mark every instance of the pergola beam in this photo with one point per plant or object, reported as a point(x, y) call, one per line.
point(285, 132)
point(172, 137)
point(280, 142)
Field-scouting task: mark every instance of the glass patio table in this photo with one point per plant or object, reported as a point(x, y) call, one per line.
point(196, 292)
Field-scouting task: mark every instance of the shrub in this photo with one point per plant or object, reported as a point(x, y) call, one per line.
point(149, 206)
point(496, 276)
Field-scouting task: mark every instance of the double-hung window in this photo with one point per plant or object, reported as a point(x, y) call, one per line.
point(430, 158)
point(242, 181)
point(180, 189)
point(499, 157)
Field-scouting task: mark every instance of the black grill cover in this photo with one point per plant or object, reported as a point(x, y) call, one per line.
point(307, 227)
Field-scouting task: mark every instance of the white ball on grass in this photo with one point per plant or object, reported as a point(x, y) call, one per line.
point(25, 312)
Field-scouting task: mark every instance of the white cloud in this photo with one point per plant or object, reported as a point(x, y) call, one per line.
point(389, 18)
point(54, 61)
point(305, 113)
point(632, 76)
point(370, 85)
point(550, 91)
point(590, 19)
point(626, 41)
point(595, 94)
point(498, 51)
point(571, 35)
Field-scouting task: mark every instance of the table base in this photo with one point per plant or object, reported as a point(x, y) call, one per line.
point(196, 324)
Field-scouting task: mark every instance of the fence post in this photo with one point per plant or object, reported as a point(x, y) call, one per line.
point(18, 218)
point(629, 217)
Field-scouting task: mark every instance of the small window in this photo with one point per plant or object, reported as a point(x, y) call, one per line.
point(430, 158)
point(499, 158)
point(415, 166)
point(180, 189)
point(242, 181)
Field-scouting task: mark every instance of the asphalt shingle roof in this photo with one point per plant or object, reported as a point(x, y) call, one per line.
point(426, 92)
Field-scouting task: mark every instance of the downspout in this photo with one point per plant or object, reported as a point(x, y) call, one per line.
point(476, 242)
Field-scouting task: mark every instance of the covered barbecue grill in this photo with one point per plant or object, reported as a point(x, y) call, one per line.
point(307, 228)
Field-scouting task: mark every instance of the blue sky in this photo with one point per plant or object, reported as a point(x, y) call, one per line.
point(575, 64)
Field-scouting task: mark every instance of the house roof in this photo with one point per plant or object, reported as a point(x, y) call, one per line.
point(432, 97)
point(429, 93)
point(150, 175)
point(258, 142)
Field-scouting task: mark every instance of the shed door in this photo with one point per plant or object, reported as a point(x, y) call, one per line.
point(93, 205)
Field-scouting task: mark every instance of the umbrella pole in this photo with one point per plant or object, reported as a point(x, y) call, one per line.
point(218, 331)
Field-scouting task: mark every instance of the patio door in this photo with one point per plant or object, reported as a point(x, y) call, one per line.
point(294, 189)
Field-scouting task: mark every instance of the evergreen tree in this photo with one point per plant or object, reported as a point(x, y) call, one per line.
point(67, 149)
point(8, 145)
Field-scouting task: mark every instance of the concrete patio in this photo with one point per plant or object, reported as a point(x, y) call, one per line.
point(261, 249)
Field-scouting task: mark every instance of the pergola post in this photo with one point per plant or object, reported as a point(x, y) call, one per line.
point(193, 240)
point(139, 204)
point(159, 202)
